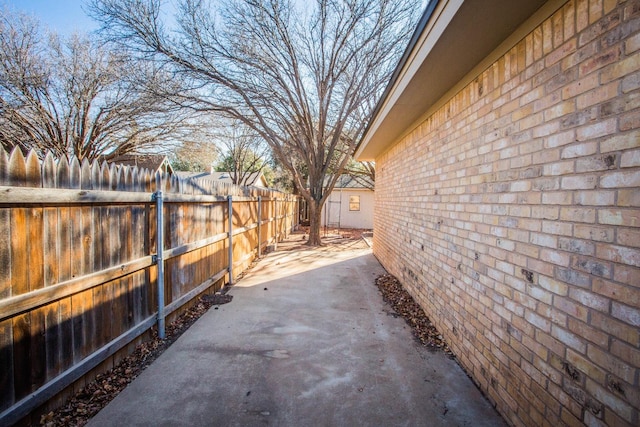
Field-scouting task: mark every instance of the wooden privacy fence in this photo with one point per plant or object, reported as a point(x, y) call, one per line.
point(82, 250)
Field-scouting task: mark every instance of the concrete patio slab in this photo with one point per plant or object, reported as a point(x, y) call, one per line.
point(306, 341)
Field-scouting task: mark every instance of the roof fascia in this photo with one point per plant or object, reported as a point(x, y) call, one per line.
point(431, 32)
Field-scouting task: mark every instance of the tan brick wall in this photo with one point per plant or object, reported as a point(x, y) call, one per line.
point(512, 215)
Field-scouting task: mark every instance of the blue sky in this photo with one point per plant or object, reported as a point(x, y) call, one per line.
point(62, 16)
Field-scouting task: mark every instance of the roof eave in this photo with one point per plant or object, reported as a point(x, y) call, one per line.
point(455, 38)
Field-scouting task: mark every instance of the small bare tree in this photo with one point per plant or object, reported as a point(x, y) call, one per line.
point(245, 153)
point(364, 173)
point(194, 155)
point(304, 79)
point(74, 97)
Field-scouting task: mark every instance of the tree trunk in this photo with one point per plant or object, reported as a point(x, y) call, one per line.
point(315, 222)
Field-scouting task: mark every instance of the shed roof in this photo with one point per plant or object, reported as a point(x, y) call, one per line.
point(361, 182)
point(255, 179)
point(454, 41)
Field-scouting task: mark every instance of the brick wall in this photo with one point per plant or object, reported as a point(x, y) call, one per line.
point(512, 215)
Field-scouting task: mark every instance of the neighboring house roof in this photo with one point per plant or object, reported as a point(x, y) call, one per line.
point(193, 175)
point(256, 179)
point(454, 41)
point(348, 181)
point(152, 162)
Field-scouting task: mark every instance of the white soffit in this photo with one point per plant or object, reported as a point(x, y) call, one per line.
point(459, 35)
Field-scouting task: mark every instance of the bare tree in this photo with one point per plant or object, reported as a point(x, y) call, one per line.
point(304, 80)
point(281, 178)
point(194, 155)
point(75, 97)
point(364, 173)
point(245, 153)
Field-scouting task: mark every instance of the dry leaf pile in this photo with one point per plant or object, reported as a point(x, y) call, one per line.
point(403, 304)
point(97, 394)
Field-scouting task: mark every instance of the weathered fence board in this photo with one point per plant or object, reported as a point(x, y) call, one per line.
point(5, 252)
point(4, 167)
point(34, 265)
point(78, 277)
point(7, 397)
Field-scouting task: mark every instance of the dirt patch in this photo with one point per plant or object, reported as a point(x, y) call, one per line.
point(333, 233)
point(405, 306)
point(332, 239)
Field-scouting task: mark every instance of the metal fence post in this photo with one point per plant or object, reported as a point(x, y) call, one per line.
point(287, 223)
point(275, 246)
point(230, 199)
point(159, 253)
point(259, 226)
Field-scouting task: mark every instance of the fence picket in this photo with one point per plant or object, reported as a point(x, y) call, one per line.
point(53, 340)
point(120, 178)
point(49, 171)
point(108, 248)
point(125, 182)
point(82, 303)
point(4, 168)
point(35, 266)
point(144, 182)
point(135, 179)
point(67, 306)
point(104, 177)
point(5, 253)
point(63, 174)
point(115, 229)
point(66, 335)
point(173, 185)
point(85, 175)
point(7, 397)
point(17, 169)
point(95, 176)
point(113, 177)
point(52, 245)
point(32, 169)
point(6, 327)
point(150, 182)
point(21, 331)
point(75, 173)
